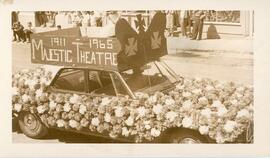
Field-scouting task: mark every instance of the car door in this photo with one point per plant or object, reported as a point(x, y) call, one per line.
point(92, 85)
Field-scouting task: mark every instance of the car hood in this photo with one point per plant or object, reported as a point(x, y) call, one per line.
point(162, 87)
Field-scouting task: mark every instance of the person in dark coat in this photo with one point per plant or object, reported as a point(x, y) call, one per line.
point(198, 25)
point(18, 30)
point(14, 19)
point(42, 18)
point(185, 22)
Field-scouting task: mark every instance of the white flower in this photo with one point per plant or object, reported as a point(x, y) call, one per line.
point(141, 111)
point(119, 111)
point(239, 95)
point(155, 132)
point(15, 91)
point(243, 113)
point(234, 102)
point(152, 99)
point(229, 126)
point(204, 130)
point(240, 89)
point(186, 94)
point(157, 109)
point(74, 99)
point(206, 112)
point(219, 85)
point(203, 100)
point(18, 107)
point(32, 84)
point(130, 121)
point(197, 91)
point(61, 123)
point(125, 132)
point(82, 109)
point(105, 101)
point(41, 109)
point(67, 107)
point(39, 92)
point(52, 104)
point(179, 86)
point(171, 116)
point(169, 101)
point(43, 80)
point(38, 70)
point(107, 117)
point(25, 98)
point(27, 82)
point(95, 121)
point(17, 76)
point(187, 105)
point(146, 125)
point(73, 123)
point(217, 104)
point(187, 122)
point(219, 138)
point(22, 79)
point(221, 111)
point(208, 87)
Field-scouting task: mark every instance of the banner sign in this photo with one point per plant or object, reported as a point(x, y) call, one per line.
point(140, 46)
point(74, 51)
point(129, 49)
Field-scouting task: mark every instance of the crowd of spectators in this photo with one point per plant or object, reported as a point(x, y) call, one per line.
point(70, 18)
point(188, 23)
point(61, 19)
point(21, 33)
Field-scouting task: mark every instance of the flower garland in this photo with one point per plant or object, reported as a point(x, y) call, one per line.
point(220, 110)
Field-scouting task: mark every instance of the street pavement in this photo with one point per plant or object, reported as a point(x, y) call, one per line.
point(217, 65)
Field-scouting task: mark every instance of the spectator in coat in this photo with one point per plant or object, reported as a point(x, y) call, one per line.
point(85, 19)
point(198, 25)
point(28, 31)
point(42, 18)
point(93, 19)
point(185, 23)
point(169, 22)
point(14, 19)
point(77, 19)
point(18, 30)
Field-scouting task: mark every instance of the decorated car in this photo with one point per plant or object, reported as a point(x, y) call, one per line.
point(120, 88)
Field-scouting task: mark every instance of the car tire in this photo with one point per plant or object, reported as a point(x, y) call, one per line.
point(186, 136)
point(32, 126)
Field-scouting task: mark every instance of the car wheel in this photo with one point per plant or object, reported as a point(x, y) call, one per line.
point(32, 126)
point(185, 136)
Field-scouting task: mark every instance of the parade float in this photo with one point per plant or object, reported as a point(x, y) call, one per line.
point(119, 87)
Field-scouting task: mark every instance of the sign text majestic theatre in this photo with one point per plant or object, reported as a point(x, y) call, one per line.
point(75, 51)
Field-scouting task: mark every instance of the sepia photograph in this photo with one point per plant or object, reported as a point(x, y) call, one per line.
point(132, 76)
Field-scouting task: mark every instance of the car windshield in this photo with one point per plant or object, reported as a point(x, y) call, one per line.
point(151, 75)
